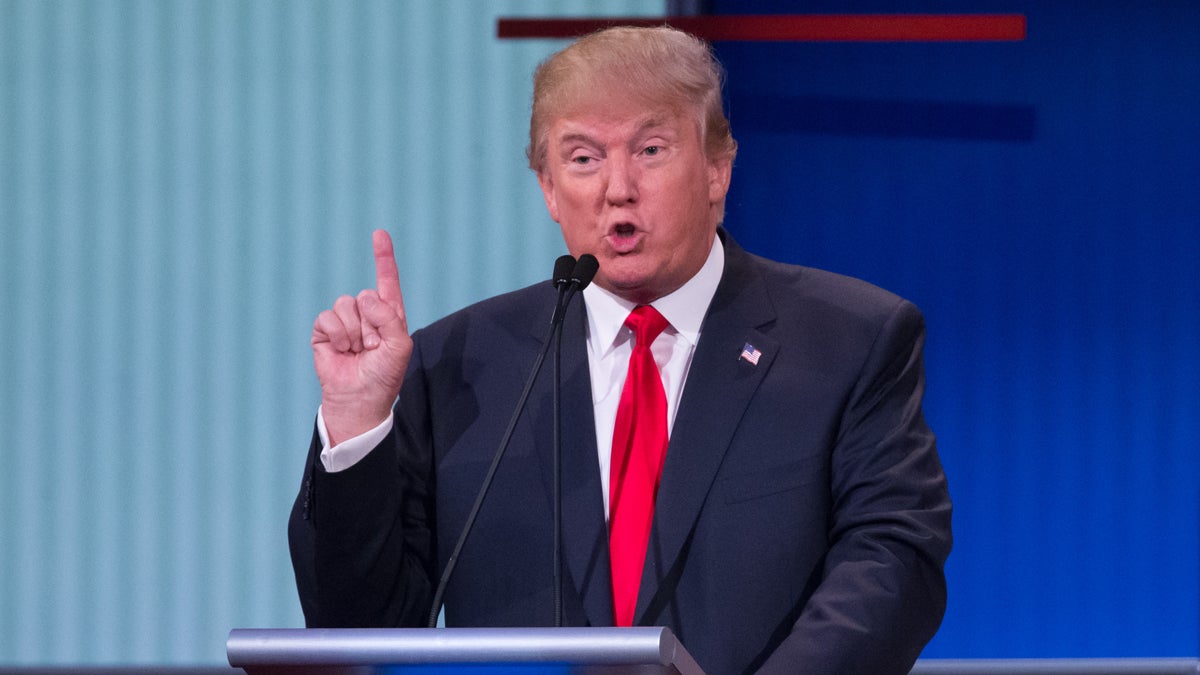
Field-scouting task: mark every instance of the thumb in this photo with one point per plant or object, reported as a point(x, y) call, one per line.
point(380, 320)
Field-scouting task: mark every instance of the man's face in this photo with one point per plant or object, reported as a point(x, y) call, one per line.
point(634, 188)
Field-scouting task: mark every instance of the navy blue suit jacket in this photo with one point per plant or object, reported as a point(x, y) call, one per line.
point(802, 522)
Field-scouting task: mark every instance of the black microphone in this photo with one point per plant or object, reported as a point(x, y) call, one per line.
point(563, 267)
point(568, 278)
point(584, 271)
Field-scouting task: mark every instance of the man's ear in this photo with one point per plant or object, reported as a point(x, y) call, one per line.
point(720, 170)
point(546, 182)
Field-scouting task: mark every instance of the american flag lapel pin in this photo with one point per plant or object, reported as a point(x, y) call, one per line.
point(750, 353)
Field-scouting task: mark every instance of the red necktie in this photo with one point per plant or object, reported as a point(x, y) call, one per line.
point(639, 447)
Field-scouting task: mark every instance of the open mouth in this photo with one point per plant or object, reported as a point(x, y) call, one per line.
point(624, 237)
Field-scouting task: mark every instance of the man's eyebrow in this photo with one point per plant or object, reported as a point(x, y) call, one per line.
point(653, 123)
point(577, 136)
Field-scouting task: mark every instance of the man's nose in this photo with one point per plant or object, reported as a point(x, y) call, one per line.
point(622, 181)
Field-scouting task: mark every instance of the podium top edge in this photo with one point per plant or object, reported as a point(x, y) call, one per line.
point(403, 646)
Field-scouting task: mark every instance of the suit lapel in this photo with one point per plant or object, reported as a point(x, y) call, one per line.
point(719, 386)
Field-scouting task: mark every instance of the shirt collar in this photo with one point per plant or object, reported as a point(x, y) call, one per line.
point(684, 308)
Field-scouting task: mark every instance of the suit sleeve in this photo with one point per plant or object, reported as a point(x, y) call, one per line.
point(883, 590)
point(362, 540)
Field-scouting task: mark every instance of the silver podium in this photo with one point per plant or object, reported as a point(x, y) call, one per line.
point(369, 651)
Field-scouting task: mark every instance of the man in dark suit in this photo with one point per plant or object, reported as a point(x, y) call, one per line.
point(799, 518)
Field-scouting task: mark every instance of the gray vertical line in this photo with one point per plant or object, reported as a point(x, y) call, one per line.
point(217, 526)
point(170, 364)
point(16, 246)
point(183, 250)
point(462, 125)
point(106, 393)
point(69, 345)
point(256, 258)
point(89, 458)
point(150, 590)
point(272, 152)
point(381, 118)
point(430, 155)
point(446, 184)
point(284, 271)
point(8, 285)
point(174, 367)
point(134, 501)
point(335, 131)
point(51, 321)
point(269, 255)
point(492, 140)
point(123, 51)
point(9, 280)
point(34, 320)
point(235, 371)
point(208, 549)
point(200, 405)
point(359, 119)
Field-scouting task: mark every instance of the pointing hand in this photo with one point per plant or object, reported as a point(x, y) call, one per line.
point(361, 349)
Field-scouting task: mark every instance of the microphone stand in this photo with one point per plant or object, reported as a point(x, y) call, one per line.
point(568, 282)
point(557, 336)
point(581, 276)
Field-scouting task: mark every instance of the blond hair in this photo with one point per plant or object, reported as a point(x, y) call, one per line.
point(659, 66)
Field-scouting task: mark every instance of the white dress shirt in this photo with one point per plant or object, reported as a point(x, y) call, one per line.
point(609, 344)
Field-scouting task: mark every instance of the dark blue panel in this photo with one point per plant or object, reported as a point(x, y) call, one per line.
point(895, 119)
point(1040, 201)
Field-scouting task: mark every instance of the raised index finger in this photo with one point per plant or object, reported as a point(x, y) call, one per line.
point(387, 277)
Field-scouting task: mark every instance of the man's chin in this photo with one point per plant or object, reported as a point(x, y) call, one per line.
point(637, 288)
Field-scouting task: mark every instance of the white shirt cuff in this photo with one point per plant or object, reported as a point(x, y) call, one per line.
point(350, 451)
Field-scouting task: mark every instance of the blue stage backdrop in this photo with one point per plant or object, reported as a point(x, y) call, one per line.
point(1040, 200)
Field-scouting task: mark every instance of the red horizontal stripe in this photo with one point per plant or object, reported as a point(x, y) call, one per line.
point(795, 27)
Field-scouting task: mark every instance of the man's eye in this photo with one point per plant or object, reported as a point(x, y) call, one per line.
point(652, 150)
point(581, 159)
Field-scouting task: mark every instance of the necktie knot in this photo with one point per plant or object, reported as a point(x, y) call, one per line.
point(647, 324)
